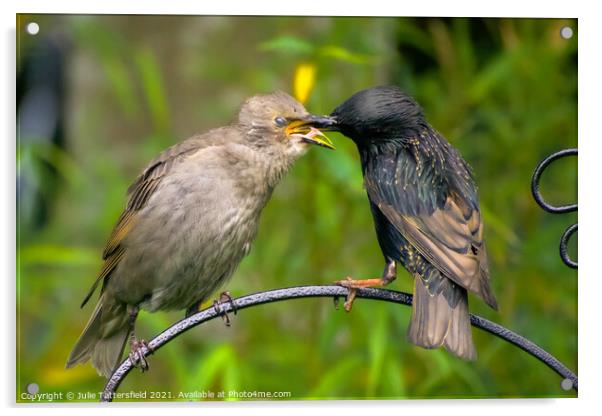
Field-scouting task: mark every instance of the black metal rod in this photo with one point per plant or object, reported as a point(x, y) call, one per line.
point(564, 241)
point(334, 292)
point(553, 208)
point(537, 177)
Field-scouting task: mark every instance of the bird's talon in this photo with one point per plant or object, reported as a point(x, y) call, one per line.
point(335, 301)
point(350, 299)
point(225, 296)
point(142, 363)
point(136, 355)
point(146, 345)
point(217, 307)
point(352, 287)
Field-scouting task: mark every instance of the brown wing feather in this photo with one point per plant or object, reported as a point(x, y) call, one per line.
point(110, 264)
point(124, 225)
point(451, 239)
point(138, 194)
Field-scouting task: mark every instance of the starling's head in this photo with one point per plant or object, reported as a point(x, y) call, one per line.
point(379, 114)
point(279, 119)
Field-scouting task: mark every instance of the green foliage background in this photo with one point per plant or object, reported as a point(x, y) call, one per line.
point(504, 91)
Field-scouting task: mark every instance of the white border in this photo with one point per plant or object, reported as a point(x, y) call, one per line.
point(590, 281)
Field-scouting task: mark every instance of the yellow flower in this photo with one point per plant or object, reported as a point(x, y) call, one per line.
point(305, 77)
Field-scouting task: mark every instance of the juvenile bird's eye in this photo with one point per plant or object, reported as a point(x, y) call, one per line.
point(280, 121)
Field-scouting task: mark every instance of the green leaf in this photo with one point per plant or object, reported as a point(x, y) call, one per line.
point(288, 44)
point(394, 379)
point(154, 90)
point(498, 225)
point(57, 254)
point(336, 377)
point(211, 365)
point(342, 54)
point(377, 344)
point(121, 84)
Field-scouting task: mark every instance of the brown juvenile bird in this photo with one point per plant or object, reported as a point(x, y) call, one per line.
point(190, 218)
point(426, 213)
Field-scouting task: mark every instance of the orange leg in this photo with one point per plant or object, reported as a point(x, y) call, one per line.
point(389, 274)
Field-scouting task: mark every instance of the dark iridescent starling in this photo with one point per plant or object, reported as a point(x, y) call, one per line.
point(426, 213)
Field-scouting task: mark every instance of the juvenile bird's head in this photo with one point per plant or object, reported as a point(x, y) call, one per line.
point(277, 119)
point(379, 114)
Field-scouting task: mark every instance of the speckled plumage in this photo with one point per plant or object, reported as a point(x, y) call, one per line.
point(190, 218)
point(426, 212)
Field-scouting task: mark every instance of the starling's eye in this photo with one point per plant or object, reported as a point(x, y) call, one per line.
point(280, 121)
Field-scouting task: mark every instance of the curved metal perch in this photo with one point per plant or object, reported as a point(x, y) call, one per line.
point(564, 240)
point(325, 291)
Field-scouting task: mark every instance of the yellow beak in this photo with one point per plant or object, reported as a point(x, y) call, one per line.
point(310, 134)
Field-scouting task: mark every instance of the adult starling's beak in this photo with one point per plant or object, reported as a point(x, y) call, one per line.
point(307, 128)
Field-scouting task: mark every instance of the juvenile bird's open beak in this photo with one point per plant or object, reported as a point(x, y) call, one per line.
point(308, 128)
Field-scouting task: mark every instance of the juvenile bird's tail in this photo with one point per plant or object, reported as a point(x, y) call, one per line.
point(436, 323)
point(103, 339)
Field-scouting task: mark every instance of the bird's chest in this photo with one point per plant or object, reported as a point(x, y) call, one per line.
point(211, 256)
point(203, 239)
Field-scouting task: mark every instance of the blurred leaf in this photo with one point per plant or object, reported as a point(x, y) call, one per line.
point(495, 72)
point(377, 344)
point(439, 366)
point(54, 376)
point(211, 367)
point(231, 377)
point(55, 254)
point(340, 53)
point(288, 44)
point(468, 373)
point(40, 155)
point(121, 83)
point(335, 377)
point(393, 378)
point(154, 90)
point(496, 224)
point(111, 48)
point(179, 367)
point(304, 80)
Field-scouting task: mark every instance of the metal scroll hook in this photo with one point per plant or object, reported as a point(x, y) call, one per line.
point(552, 208)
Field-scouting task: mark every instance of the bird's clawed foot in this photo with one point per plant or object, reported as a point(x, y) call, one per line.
point(389, 274)
point(136, 355)
point(352, 285)
point(217, 305)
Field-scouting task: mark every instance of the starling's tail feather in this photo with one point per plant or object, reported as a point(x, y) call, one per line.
point(435, 323)
point(487, 294)
point(485, 290)
point(103, 339)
